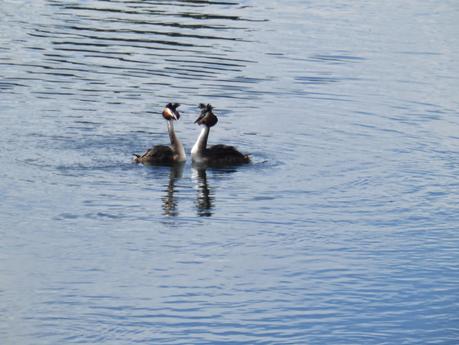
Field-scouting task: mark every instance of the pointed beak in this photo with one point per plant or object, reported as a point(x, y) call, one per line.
point(199, 119)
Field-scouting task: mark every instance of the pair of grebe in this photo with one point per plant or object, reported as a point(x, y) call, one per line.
point(217, 155)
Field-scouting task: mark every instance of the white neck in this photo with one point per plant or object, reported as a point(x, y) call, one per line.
point(175, 143)
point(201, 144)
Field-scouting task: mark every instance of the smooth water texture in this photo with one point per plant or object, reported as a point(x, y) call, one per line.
point(343, 230)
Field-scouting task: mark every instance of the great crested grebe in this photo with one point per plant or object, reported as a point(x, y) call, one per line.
point(163, 154)
point(217, 155)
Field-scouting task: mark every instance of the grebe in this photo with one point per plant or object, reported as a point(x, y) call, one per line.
point(217, 155)
point(162, 154)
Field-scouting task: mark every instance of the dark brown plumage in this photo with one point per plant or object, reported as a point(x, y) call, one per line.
point(221, 155)
point(158, 154)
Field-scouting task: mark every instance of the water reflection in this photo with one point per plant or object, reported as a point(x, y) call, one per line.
point(169, 200)
point(204, 198)
point(204, 202)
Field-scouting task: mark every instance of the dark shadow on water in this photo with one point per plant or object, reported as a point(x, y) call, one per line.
point(169, 202)
point(205, 197)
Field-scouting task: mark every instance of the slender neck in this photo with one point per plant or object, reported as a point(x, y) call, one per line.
point(175, 142)
point(201, 143)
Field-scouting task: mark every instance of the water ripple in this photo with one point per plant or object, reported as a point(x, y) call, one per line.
point(342, 230)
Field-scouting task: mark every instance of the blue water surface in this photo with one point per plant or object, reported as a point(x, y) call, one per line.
point(343, 230)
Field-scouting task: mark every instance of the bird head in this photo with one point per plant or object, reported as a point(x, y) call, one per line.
point(207, 117)
point(170, 111)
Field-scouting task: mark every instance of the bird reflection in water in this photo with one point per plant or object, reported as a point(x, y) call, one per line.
point(169, 201)
point(204, 198)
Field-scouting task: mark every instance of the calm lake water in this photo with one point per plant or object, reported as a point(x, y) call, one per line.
point(343, 230)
